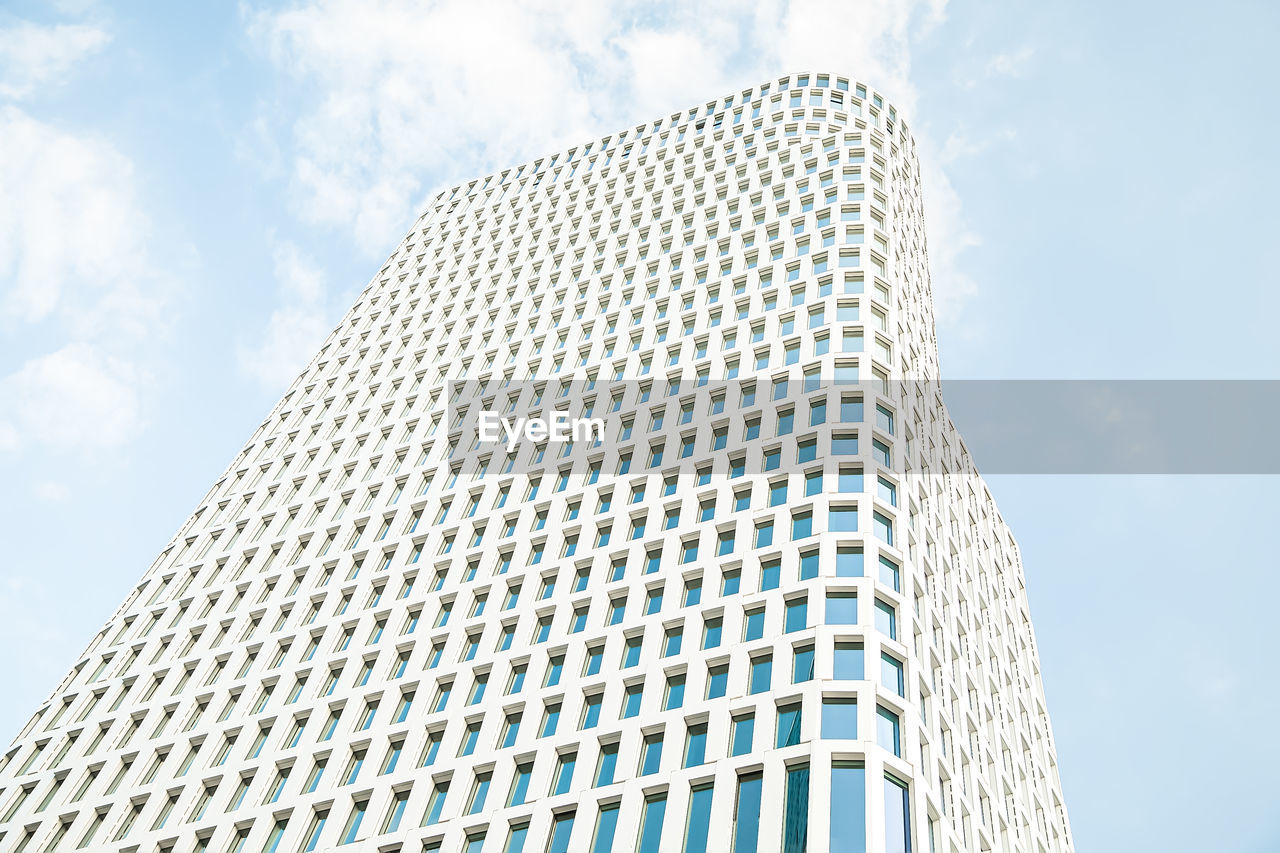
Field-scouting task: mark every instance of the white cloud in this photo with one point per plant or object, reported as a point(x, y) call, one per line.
point(33, 56)
point(72, 235)
point(949, 234)
point(51, 491)
point(1010, 64)
point(960, 144)
point(413, 96)
point(75, 274)
point(76, 397)
point(10, 440)
point(298, 325)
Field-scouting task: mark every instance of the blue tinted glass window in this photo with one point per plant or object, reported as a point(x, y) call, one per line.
point(888, 734)
point(839, 718)
point(606, 826)
point(802, 669)
point(886, 620)
point(695, 751)
point(651, 755)
point(848, 562)
point(844, 518)
point(796, 615)
point(848, 808)
point(795, 821)
point(788, 726)
point(761, 674)
point(515, 842)
point(889, 574)
point(608, 765)
point(520, 785)
point(743, 733)
point(655, 809)
point(698, 831)
point(897, 816)
point(746, 817)
point(891, 673)
point(842, 608)
point(848, 662)
point(564, 774)
point(560, 832)
point(808, 565)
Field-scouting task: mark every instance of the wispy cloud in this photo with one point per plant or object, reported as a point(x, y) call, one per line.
point(1010, 64)
point(410, 96)
point(296, 327)
point(77, 397)
point(72, 234)
point(960, 144)
point(76, 271)
point(33, 56)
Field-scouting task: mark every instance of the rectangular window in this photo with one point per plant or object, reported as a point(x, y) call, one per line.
point(561, 830)
point(891, 673)
point(848, 562)
point(746, 813)
point(479, 793)
point(520, 785)
point(717, 681)
point(591, 711)
point(650, 755)
point(849, 807)
point(606, 827)
point(897, 816)
point(788, 726)
point(564, 774)
point(847, 664)
point(698, 829)
point(802, 665)
point(607, 766)
point(515, 841)
point(886, 619)
point(655, 809)
point(795, 820)
point(675, 693)
point(711, 633)
point(890, 575)
point(743, 733)
point(796, 615)
point(802, 525)
point(887, 491)
point(883, 528)
point(842, 608)
point(844, 519)
point(550, 721)
point(695, 745)
point(761, 674)
point(631, 701)
point(888, 730)
point(839, 718)
point(435, 805)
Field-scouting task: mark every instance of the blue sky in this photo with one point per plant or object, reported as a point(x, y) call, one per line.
point(191, 194)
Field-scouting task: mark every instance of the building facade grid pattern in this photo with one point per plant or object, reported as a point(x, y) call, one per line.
point(733, 625)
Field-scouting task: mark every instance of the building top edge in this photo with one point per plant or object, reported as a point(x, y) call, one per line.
point(872, 104)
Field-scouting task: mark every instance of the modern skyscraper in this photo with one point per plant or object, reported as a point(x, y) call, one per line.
point(763, 602)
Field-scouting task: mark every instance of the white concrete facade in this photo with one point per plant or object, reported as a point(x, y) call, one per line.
point(372, 592)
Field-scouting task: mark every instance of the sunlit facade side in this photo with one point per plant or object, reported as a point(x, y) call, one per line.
point(741, 619)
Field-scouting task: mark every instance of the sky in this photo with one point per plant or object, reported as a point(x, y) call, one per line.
point(191, 195)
